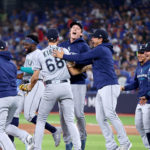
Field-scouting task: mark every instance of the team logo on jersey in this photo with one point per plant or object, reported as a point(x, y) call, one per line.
point(29, 62)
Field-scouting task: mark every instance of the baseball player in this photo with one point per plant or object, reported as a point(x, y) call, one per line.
point(30, 102)
point(9, 102)
point(76, 44)
point(105, 81)
point(142, 82)
point(147, 53)
point(56, 79)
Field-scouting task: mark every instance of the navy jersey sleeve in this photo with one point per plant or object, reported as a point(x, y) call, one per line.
point(133, 85)
point(95, 53)
point(148, 88)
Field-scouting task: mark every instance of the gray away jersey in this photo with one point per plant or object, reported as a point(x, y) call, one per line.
point(30, 62)
point(52, 68)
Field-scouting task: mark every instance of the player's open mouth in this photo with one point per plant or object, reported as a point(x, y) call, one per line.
point(74, 33)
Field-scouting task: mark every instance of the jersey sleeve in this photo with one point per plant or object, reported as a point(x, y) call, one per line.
point(148, 88)
point(83, 56)
point(38, 59)
point(27, 70)
point(66, 51)
point(133, 85)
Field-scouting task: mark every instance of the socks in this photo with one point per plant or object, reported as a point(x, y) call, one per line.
point(69, 146)
point(14, 122)
point(83, 144)
point(48, 126)
point(148, 137)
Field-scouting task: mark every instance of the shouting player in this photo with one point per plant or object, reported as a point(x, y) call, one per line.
point(77, 45)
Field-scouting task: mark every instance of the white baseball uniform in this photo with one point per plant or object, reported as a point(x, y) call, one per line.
point(58, 88)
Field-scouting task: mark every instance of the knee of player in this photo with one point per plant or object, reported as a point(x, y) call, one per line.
point(79, 116)
point(28, 117)
point(111, 115)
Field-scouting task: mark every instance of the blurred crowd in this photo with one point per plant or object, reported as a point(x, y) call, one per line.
point(128, 25)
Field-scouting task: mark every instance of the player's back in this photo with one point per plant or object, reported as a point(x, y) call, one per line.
point(8, 74)
point(53, 68)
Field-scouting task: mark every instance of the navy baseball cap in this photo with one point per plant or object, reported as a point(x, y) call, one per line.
point(147, 47)
point(141, 49)
point(99, 33)
point(52, 34)
point(2, 45)
point(76, 23)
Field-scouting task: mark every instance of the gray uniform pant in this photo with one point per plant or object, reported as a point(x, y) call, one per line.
point(142, 122)
point(62, 93)
point(79, 92)
point(11, 129)
point(105, 105)
point(8, 107)
point(32, 100)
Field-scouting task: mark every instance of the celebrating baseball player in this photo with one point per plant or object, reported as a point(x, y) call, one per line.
point(142, 82)
point(76, 44)
point(56, 79)
point(30, 100)
point(106, 82)
point(9, 102)
point(147, 53)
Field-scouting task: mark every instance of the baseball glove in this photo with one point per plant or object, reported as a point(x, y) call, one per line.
point(24, 87)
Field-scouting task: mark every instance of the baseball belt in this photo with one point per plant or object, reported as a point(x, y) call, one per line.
point(55, 81)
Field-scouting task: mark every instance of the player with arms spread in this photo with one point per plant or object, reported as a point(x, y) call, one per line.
point(105, 81)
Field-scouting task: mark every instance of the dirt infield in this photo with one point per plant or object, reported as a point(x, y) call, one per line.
point(91, 129)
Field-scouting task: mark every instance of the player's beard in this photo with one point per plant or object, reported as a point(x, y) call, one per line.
point(29, 51)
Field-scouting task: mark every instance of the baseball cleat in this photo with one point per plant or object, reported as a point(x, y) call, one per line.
point(57, 136)
point(29, 143)
point(126, 147)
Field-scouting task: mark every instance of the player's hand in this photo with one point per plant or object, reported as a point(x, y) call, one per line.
point(143, 100)
point(20, 76)
point(122, 88)
point(71, 64)
point(25, 87)
point(58, 54)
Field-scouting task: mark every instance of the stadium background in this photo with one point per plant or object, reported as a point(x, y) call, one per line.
point(128, 25)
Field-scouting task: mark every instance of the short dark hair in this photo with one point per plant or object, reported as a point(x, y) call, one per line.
point(105, 40)
point(53, 41)
point(33, 37)
point(78, 23)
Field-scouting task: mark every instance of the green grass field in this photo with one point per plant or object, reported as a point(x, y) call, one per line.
point(94, 142)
